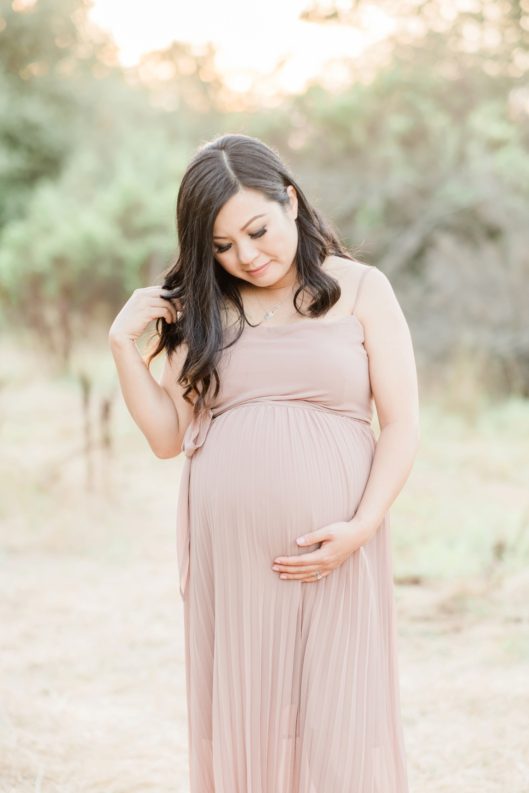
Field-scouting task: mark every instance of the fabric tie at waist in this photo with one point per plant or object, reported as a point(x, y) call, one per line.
point(194, 437)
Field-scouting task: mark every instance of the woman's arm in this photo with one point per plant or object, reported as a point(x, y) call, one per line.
point(159, 409)
point(148, 402)
point(394, 385)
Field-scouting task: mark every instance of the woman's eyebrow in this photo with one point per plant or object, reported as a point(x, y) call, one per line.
point(220, 237)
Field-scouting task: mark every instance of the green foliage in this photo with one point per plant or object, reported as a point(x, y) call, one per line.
point(421, 162)
point(89, 172)
point(86, 242)
point(424, 169)
point(47, 82)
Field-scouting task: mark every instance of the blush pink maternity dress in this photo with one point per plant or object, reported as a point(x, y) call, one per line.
point(291, 687)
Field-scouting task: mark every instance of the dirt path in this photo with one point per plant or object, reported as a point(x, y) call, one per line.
point(92, 680)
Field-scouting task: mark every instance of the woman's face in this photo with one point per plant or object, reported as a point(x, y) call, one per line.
point(251, 231)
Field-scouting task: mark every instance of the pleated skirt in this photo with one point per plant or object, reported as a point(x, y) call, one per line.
point(292, 687)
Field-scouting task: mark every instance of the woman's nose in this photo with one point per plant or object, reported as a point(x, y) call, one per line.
point(247, 253)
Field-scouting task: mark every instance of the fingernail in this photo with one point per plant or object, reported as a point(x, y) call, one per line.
point(301, 540)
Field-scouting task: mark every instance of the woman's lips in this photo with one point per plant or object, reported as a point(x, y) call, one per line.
point(259, 270)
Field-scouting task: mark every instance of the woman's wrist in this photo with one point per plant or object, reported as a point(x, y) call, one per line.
point(120, 341)
point(364, 529)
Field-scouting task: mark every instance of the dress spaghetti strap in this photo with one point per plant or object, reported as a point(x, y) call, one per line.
point(359, 287)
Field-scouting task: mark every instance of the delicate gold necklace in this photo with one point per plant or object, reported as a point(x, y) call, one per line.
point(269, 313)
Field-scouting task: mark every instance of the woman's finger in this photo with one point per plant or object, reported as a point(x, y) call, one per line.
point(161, 305)
point(304, 577)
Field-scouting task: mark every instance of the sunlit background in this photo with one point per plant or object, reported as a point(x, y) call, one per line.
point(250, 41)
point(407, 124)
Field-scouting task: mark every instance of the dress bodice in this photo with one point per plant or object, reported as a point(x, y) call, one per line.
point(318, 361)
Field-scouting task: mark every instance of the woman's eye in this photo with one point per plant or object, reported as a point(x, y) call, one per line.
point(224, 248)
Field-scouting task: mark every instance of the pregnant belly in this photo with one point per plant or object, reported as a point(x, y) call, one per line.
point(269, 473)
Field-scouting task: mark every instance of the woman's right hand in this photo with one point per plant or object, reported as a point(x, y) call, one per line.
point(143, 306)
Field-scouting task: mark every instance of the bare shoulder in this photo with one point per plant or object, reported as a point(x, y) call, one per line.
point(339, 266)
point(368, 291)
point(376, 297)
point(350, 274)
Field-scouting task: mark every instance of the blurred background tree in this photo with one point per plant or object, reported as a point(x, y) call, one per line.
point(438, 144)
point(420, 158)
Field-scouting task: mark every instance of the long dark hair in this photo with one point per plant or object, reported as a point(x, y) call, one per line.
point(219, 170)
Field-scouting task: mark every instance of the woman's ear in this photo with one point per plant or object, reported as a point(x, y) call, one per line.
point(293, 198)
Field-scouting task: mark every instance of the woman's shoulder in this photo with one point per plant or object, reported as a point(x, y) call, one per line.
point(371, 292)
point(348, 272)
point(351, 270)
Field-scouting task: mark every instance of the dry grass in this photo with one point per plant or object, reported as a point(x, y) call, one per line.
point(91, 658)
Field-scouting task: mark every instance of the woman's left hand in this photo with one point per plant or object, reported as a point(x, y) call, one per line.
point(339, 541)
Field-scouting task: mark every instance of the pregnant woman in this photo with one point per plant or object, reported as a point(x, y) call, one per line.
point(277, 343)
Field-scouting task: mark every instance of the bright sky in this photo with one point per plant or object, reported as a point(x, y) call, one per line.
point(250, 38)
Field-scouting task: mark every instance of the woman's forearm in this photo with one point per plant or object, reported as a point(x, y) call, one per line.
point(148, 402)
point(392, 462)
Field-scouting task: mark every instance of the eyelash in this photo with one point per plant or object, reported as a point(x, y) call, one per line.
point(257, 234)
